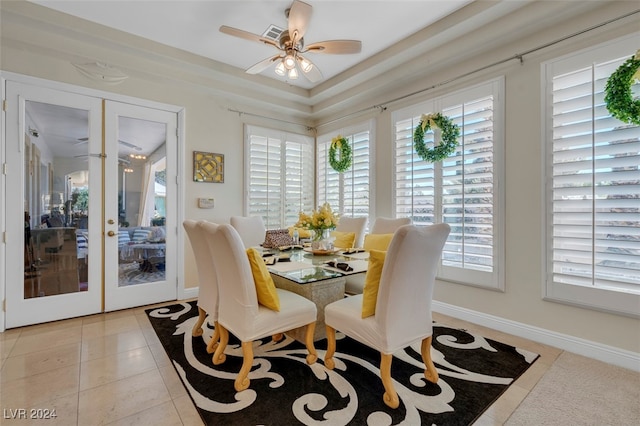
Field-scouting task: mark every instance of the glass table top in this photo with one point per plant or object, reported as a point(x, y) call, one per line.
point(301, 266)
point(308, 275)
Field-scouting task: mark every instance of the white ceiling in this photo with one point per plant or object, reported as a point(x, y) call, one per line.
point(193, 26)
point(400, 40)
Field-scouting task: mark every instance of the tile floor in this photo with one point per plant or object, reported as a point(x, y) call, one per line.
point(110, 369)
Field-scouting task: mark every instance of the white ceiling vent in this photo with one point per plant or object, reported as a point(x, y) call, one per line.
point(273, 33)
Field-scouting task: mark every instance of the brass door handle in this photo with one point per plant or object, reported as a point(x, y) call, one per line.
point(111, 233)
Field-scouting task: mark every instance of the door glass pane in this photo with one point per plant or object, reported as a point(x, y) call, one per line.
point(141, 201)
point(55, 200)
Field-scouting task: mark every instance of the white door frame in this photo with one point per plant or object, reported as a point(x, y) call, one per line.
point(3, 203)
point(38, 82)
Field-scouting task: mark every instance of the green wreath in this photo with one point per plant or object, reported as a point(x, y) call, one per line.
point(618, 96)
point(342, 144)
point(447, 146)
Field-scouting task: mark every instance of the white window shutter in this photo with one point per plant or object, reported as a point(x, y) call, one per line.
point(349, 192)
point(462, 189)
point(279, 176)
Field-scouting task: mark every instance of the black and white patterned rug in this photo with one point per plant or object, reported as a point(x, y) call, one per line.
point(284, 390)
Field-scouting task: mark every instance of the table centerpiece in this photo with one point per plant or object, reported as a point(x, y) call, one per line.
point(321, 221)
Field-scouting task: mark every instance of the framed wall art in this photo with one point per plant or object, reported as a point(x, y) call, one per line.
point(208, 167)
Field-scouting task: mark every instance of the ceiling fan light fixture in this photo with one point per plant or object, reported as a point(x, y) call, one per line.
point(280, 69)
point(289, 61)
point(305, 65)
point(293, 74)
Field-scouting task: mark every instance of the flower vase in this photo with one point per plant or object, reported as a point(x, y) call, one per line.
point(322, 240)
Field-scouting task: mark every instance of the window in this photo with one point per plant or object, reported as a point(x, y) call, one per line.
point(593, 184)
point(279, 176)
point(462, 190)
point(349, 193)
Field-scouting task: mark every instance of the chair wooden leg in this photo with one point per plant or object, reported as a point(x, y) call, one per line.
point(308, 339)
point(218, 356)
point(430, 372)
point(331, 347)
point(242, 381)
point(213, 343)
point(390, 396)
point(197, 328)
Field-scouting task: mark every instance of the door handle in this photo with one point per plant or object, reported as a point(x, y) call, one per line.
point(111, 233)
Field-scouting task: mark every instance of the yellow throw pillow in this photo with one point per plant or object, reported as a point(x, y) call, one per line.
point(302, 233)
point(371, 282)
point(343, 239)
point(265, 288)
point(377, 241)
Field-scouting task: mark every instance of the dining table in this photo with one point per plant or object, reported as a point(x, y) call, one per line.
point(316, 275)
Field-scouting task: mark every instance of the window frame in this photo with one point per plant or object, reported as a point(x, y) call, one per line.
point(494, 280)
point(603, 299)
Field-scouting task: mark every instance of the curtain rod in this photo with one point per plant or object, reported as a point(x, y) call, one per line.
point(241, 113)
point(518, 56)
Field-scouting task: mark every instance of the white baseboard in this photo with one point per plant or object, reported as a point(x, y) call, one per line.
point(189, 293)
point(604, 353)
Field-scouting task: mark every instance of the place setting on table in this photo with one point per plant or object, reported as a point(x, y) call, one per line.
point(336, 260)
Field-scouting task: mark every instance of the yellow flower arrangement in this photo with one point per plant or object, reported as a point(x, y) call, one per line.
point(319, 220)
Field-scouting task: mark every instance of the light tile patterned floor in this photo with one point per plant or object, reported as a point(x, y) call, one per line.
point(111, 369)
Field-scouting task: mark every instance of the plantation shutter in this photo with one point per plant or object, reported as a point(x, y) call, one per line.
point(298, 181)
point(329, 182)
point(595, 184)
point(414, 177)
point(468, 186)
point(264, 179)
point(462, 189)
point(279, 176)
point(349, 193)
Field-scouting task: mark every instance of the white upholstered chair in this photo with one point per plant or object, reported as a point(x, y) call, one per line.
point(207, 280)
point(382, 225)
point(251, 229)
point(353, 224)
point(403, 305)
point(385, 225)
point(240, 312)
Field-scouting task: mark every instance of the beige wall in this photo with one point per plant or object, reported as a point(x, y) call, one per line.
point(211, 127)
point(522, 300)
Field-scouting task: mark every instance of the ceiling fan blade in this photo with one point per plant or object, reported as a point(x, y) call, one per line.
point(299, 16)
point(247, 35)
point(125, 143)
point(130, 145)
point(312, 73)
point(336, 47)
point(262, 65)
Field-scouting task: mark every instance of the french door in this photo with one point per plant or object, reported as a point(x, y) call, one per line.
point(140, 228)
point(90, 196)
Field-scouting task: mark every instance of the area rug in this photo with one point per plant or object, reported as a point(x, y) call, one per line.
point(284, 390)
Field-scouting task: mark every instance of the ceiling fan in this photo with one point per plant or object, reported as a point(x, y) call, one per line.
point(125, 143)
point(291, 45)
